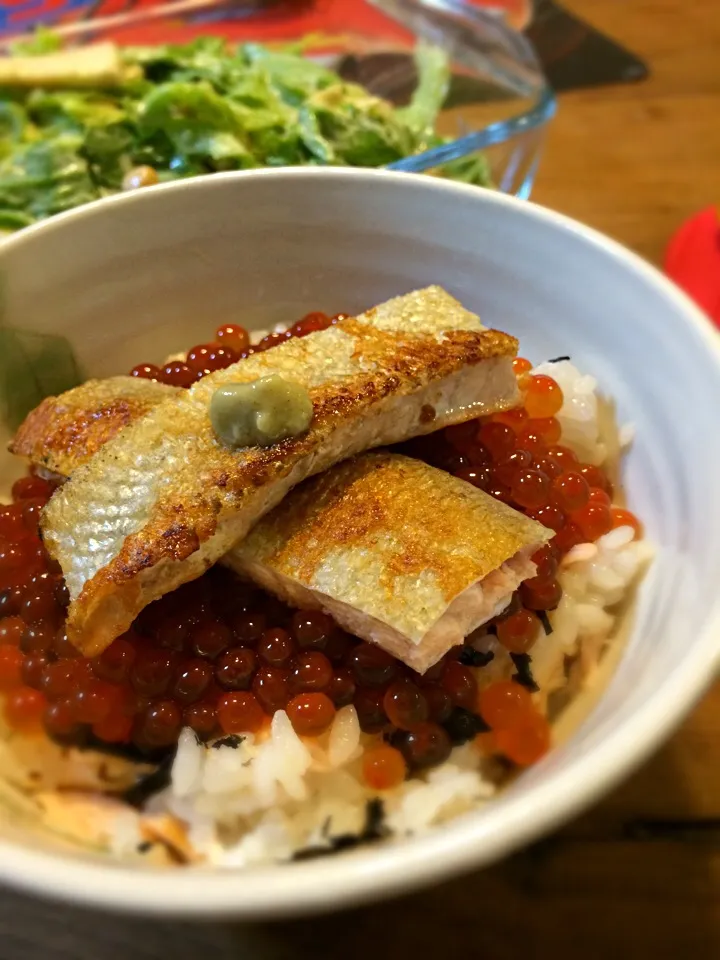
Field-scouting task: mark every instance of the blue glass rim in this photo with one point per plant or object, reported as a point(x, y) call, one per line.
point(493, 134)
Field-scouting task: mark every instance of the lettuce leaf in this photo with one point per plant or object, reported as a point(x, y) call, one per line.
point(431, 91)
point(200, 107)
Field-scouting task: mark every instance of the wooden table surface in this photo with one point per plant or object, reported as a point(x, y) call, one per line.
point(639, 875)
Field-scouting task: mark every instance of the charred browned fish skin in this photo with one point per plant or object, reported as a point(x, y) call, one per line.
point(164, 500)
point(398, 552)
point(399, 519)
point(64, 432)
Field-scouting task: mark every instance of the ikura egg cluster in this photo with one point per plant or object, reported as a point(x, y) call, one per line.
point(221, 657)
point(231, 343)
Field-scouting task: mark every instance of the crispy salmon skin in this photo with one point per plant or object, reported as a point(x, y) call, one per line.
point(164, 499)
point(64, 432)
point(398, 552)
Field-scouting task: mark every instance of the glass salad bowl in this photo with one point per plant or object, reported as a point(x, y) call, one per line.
point(462, 94)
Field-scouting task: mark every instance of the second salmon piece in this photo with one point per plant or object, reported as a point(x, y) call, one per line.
point(165, 499)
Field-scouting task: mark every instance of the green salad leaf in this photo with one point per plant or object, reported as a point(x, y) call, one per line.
point(198, 108)
point(431, 90)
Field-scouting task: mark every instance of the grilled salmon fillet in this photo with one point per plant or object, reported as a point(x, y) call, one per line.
point(164, 499)
point(63, 432)
point(399, 553)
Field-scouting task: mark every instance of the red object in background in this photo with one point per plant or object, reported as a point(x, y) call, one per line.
point(692, 260)
point(178, 21)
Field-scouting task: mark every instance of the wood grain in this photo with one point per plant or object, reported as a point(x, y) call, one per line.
point(635, 160)
point(639, 875)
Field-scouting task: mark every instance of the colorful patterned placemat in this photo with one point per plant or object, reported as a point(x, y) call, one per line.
point(573, 52)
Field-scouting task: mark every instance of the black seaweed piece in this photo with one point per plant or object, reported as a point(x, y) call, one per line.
point(545, 621)
point(470, 657)
point(512, 608)
point(126, 751)
point(314, 853)
point(524, 675)
point(144, 847)
point(373, 830)
point(233, 741)
point(462, 725)
point(147, 786)
point(558, 359)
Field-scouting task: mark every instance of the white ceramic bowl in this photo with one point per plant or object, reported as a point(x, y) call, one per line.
point(142, 274)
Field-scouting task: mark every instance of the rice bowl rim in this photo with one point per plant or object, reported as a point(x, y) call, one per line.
point(475, 839)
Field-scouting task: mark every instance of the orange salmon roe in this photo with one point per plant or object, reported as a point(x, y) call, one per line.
point(502, 703)
point(570, 491)
point(146, 371)
point(568, 537)
point(497, 438)
point(549, 516)
point(460, 684)
point(624, 518)
point(562, 456)
point(12, 630)
point(543, 397)
point(547, 427)
point(529, 439)
point(405, 705)
point(595, 477)
point(11, 661)
point(525, 743)
point(311, 713)
point(383, 768)
point(594, 520)
point(240, 713)
point(546, 561)
point(597, 495)
point(515, 419)
point(426, 745)
point(540, 593)
point(178, 374)
point(530, 489)
point(518, 632)
point(24, 708)
point(520, 365)
point(234, 336)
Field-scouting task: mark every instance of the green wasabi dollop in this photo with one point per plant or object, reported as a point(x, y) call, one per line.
point(260, 413)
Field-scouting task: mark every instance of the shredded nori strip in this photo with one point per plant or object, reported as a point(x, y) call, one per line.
point(233, 741)
point(558, 359)
point(524, 675)
point(545, 621)
point(144, 847)
point(126, 751)
point(462, 725)
point(470, 657)
point(147, 786)
point(373, 830)
point(514, 605)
